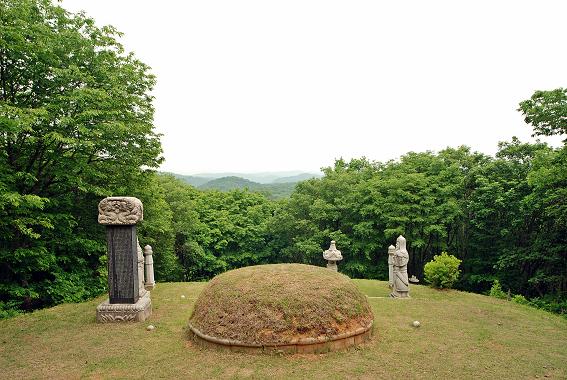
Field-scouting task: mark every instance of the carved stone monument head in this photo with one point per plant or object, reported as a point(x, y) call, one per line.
point(115, 211)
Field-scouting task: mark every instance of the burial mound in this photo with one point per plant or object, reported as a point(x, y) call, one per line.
point(281, 307)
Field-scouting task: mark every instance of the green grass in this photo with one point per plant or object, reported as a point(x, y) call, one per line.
point(462, 336)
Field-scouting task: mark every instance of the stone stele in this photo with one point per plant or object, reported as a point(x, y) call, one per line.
point(128, 299)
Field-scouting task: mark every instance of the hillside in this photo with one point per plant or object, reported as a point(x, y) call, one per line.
point(296, 178)
point(191, 180)
point(275, 190)
point(462, 336)
point(231, 183)
point(263, 177)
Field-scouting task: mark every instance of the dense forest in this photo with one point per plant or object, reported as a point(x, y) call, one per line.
point(76, 125)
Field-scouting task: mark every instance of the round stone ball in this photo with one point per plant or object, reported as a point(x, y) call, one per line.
point(416, 324)
point(150, 328)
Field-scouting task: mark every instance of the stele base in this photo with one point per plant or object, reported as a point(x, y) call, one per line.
point(108, 312)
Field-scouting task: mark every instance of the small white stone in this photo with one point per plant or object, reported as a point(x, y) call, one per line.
point(182, 296)
point(416, 324)
point(150, 327)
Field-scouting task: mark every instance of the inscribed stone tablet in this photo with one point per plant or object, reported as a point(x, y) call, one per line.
point(122, 264)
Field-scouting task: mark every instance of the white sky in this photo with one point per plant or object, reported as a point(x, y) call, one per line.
point(267, 85)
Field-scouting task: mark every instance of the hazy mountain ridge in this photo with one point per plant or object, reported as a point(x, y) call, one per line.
point(272, 190)
point(280, 185)
point(191, 180)
point(230, 183)
point(296, 178)
point(262, 177)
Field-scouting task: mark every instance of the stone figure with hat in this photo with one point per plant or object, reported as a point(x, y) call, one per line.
point(400, 259)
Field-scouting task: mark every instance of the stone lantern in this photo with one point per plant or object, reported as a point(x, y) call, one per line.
point(332, 255)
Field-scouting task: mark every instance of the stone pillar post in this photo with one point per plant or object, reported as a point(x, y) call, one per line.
point(140, 262)
point(127, 300)
point(391, 250)
point(150, 282)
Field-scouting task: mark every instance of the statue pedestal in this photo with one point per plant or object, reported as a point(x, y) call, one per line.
point(125, 312)
point(400, 295)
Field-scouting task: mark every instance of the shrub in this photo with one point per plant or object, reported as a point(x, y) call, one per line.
point(496, 290)
point(548, 303)
point(443, 271)
point(518, 298)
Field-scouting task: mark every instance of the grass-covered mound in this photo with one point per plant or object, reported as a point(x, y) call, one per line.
point(280, 303)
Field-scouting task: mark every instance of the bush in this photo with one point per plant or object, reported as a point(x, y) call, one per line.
point(548, 303)
point(443, 271)
point(8, 310)
point(496, 290)
point(518, 298)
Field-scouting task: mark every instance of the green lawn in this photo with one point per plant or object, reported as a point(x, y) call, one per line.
point(462, 336)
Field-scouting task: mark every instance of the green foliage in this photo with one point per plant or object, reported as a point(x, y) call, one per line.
point(157, 228)
point(546, 111)
point(75, 126)
point(443, 271)
point(496, 290)
point(551, 304)
point(520, 299)
point(216, 231)
point(547, 303)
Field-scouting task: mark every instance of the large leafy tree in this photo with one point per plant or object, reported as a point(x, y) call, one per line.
point(544, 262)
point(75, 125)
point(546, 111)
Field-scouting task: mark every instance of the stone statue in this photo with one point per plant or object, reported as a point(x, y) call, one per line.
point(400, 260)
point(332, 255)
point(391, 250)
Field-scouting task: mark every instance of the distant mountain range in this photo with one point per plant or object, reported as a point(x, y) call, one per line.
point(274, 184)
point(264, 177)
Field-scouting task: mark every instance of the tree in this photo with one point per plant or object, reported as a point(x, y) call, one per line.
point(75, 126)
point(546, 111)
point(499, 229)
point(546, 259)
point(216, 231)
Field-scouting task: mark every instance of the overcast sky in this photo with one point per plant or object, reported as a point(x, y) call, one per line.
point(266, 85)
